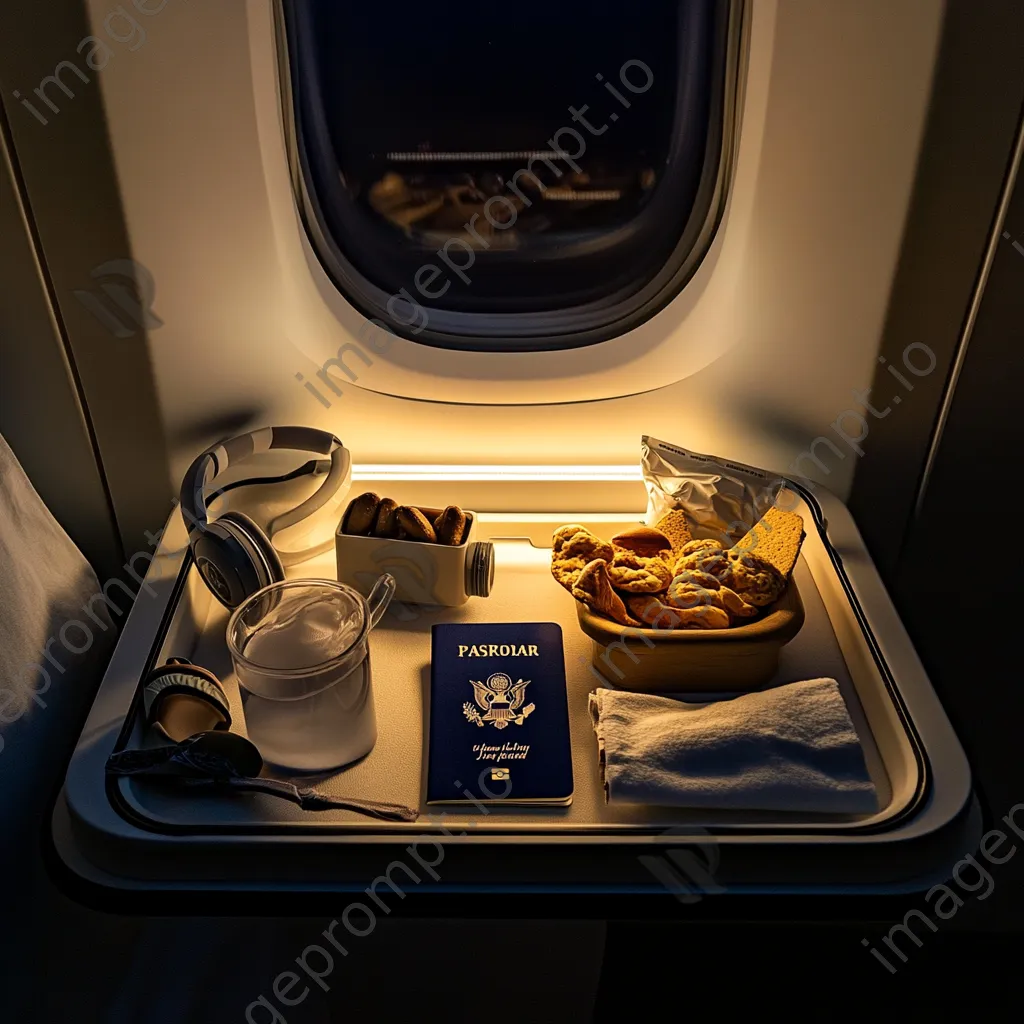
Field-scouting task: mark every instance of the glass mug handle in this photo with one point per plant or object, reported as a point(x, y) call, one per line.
point(380, 597)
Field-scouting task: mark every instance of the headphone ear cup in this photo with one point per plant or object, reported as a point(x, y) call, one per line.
point(267, 560)
point(235, 558)
point(225, 561)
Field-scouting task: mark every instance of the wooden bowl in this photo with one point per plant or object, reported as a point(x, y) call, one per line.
point(694, 660)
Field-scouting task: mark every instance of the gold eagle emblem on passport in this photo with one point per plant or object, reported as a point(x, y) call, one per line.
point(500, 699)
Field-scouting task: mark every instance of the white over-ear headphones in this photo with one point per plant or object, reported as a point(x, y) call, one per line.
point(233, 555)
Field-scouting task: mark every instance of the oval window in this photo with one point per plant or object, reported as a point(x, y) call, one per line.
point(532, 178)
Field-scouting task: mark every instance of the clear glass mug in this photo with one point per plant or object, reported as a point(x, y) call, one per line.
point(302, 661)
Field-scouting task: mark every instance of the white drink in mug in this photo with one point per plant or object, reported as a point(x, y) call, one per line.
point(301, 657)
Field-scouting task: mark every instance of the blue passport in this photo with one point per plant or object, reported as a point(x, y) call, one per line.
point(499, 717)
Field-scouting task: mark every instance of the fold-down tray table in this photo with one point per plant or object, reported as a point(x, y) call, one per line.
point(126, 835)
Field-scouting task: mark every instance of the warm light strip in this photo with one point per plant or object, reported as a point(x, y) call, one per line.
point(522, 473)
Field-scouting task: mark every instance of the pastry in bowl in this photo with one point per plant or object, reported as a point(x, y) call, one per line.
point(666, 579)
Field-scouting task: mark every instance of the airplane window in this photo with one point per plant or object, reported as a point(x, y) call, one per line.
point(524, 178)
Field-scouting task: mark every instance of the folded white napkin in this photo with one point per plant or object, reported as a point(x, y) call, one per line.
point(790, 748)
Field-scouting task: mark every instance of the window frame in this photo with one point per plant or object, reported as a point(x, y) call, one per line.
point(546, 331)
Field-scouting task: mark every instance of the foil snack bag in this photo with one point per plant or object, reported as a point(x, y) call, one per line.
point(722, 499)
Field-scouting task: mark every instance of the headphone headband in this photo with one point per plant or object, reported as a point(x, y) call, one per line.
point(215, 461)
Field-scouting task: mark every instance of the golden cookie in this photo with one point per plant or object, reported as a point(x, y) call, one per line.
point(688, 596)
point(572, 547)
point(566, 571)
point(576, 541)
point(695, 578)
point(652, 611)
point(706, 617)
point(689, 590)
point(594, 589)
point(450, 525)
point(361, 514)
point(564, 533)
point(734, 604)
point(675, 526)
point(415, 524)
point(757, 581)
point(637, 574)
point(643, 540)
point(385, 524)
point(702, 556)
point(699, 545)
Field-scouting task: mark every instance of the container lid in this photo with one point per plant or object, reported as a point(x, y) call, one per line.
point(479, 568)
